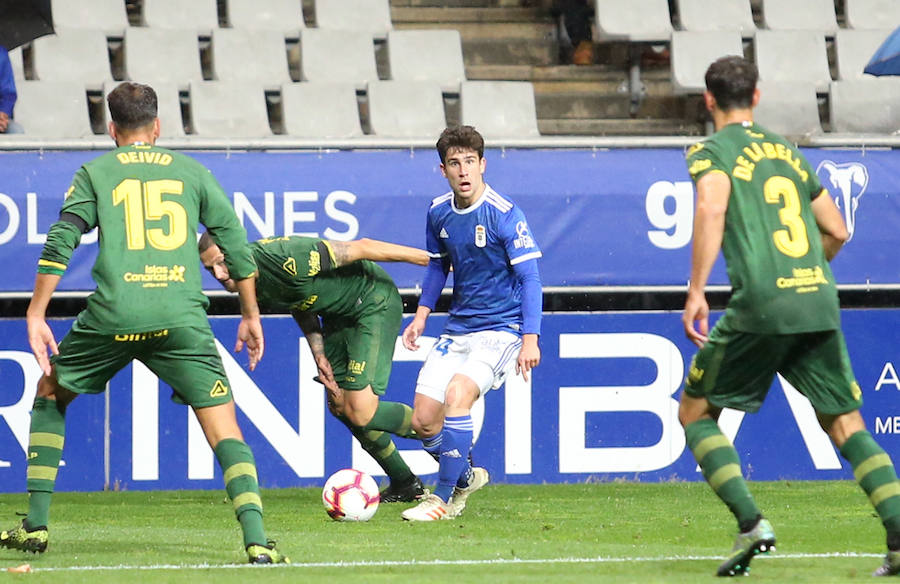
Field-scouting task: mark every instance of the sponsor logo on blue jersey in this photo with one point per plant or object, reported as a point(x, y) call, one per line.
point(524, 240)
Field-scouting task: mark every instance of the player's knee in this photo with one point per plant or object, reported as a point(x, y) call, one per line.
point(356, 417)
point(425, 427)
point(49, 388)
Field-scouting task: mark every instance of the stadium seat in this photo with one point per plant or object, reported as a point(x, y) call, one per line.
point(866, 105)
point(635, 20)
point(854, 49)
point(406, 109)
point(499, 109)
point(106, 15)
point(337, 56)
point(427, 55)
point(716, 15)
point(282, 15)
point(255, 56)
point(53, 109)
point(789, 108)
point(320, 110)
point(175, 56)
point(872, 14)
point(815, 15)
point(15, 59)
point(168, 106)
point(369, 16)
point(692, 53)
point(200, 16)
point(72, 54)
point(793, 56)
point(223, 109)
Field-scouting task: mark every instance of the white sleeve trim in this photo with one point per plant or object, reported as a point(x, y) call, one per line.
point(528, 256)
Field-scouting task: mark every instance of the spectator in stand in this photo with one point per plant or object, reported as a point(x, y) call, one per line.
point(7, 96)
point(576, 17)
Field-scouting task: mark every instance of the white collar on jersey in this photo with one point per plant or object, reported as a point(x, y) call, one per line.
point(473, 206)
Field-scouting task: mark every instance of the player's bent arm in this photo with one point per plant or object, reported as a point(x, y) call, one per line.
point(831, 224)
point(346, 252)
point(312, 330)
point(713, 192)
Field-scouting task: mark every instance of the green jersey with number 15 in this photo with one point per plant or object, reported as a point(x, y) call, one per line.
point(147, 202)
point(780, 278)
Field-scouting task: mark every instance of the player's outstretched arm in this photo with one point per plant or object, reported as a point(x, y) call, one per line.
point(39, 334)
point(346, 252)
point(250, 330)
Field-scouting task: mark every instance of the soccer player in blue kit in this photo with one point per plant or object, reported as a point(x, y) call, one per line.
point(495, 316)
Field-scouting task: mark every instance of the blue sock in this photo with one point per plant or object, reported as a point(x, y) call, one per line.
point(456, 441)
point(433, 446)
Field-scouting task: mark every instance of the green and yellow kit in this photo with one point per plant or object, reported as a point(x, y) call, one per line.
point(783, 315)
point(360, 307)
point(780, 278)
point(147, 202)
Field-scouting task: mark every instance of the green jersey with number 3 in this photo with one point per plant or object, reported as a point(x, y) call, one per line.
point(780, 278)
point(147, 202)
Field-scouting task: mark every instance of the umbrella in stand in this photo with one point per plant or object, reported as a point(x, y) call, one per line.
point(24, 20)
point(886, 60)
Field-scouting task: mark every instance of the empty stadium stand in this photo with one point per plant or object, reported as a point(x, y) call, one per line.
point(291, 52)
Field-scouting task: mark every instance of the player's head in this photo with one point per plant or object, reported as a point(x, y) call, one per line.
point(132, 107)
point(731, 82)
point(461, 149)
point(459, 138)
point(213, 260)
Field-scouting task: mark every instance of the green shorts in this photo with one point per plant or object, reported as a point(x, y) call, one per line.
point(183, 357)
point(735, 369)
point(361, 349)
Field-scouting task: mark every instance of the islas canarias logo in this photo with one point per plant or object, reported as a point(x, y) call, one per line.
point(847, 183)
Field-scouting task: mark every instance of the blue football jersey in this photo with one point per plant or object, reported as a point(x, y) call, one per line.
point(483, 242)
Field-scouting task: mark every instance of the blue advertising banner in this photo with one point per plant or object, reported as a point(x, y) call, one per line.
point(602, 405)
point(632, 209)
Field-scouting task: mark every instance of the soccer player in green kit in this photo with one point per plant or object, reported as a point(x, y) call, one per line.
point(760, 201)
point(353, 344)
point(149, 305)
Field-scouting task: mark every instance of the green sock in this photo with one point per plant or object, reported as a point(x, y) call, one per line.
point(242, 486)
point(722, 468)
point(380, 447)
point(393, 417)
point(875, 473)
point(45, 445)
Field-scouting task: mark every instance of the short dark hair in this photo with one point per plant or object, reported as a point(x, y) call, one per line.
point(205, 242)
point(132, 105)
point(732, 81)
point(460, 138)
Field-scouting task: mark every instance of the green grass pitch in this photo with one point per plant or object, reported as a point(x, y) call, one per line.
point(595, 532)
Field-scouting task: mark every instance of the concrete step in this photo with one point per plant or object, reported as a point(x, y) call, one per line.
point(562, 105)
point(546, 73)
point(509, 52)
point(619, 127)
point(457, 3)
point(505, 31)
point(408, 15)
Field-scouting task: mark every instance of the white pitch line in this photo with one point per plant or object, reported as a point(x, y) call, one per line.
point(497, 561)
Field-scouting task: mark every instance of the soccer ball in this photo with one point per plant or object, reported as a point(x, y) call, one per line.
point(350, 495)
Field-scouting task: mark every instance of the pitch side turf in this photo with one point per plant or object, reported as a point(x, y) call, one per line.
point(598, 532)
